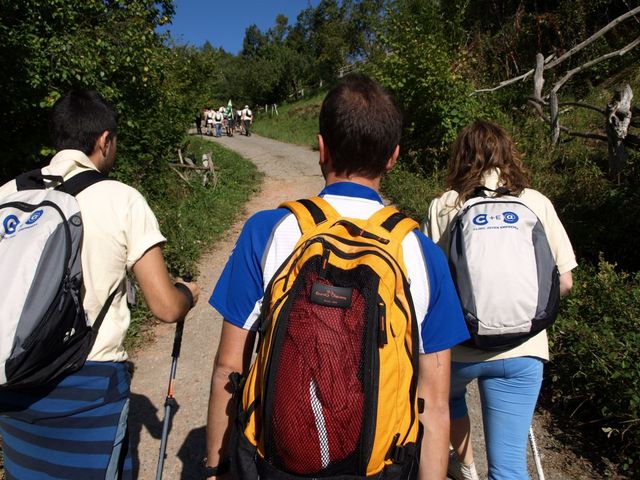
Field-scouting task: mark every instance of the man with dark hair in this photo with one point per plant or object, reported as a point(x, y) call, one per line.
point(77, 427)
point(352, 138)
point(360, 128)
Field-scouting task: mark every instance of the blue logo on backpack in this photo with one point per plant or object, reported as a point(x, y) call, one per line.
point(480, 219)
point(10, 224)
point(510, 217)
point(34, 217)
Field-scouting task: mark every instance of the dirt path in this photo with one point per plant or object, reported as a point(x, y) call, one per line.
point(290, 172)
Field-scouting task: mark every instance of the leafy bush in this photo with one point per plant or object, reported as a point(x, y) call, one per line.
point(410, 191)
point(193, 217)
point(418, 66)
point(595, 372)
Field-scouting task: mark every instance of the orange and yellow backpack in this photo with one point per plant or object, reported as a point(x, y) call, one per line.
point(332, 392)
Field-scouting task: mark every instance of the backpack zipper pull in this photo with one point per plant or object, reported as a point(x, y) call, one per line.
point(323, 263)
point(382, 321)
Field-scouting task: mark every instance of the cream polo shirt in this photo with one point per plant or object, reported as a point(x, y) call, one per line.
point(119, 227)
point(442, 211)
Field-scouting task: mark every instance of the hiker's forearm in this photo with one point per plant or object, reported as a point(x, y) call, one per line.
point(219, 417)
point(435, 445)
point(234, 355)
point(433, 387)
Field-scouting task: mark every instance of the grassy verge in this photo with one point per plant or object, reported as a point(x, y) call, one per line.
point(193, 216)
point(295, 123)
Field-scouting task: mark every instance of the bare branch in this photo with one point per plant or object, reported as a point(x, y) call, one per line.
point(555, 121)
point(591, 63)
point(538, 79)
point(594, 136)
point(505, 83)
point(189, 167)
point(581, 105)
point(180, 174)
point(593, 37)
point(552, 63)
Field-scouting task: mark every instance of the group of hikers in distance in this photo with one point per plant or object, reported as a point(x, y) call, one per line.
point(226, 119)
point(368, 327)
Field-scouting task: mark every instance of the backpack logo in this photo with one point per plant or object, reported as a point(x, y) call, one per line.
point(510, 217)
point(330, 296)
point(10, 224)
point(34, 217)
point(480, 219)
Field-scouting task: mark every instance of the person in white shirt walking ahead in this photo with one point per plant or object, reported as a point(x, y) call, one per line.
point(247, 119)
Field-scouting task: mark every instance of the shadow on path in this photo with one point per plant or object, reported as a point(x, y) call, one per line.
point(191, 453)
point(143, 413)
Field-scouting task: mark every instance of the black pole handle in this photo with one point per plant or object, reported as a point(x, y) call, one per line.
point(177, 339)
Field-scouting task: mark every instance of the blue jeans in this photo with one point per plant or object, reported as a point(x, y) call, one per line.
point(508, 393)
point(218, 129)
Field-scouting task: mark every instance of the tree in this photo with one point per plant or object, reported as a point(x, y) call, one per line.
point(417, 67)
point(52, 46)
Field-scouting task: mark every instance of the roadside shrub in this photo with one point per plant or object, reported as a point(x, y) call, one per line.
point(193, 216)
point(595, 372)
point(425, 74)
point(410, 191)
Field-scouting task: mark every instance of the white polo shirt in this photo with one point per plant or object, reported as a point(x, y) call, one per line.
point(119, 227)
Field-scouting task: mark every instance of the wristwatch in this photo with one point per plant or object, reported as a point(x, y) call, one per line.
point(220, 469)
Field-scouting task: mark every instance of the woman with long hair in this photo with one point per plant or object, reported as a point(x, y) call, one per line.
point(509, 380)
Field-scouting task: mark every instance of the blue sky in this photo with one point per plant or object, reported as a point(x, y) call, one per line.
point(223, 23)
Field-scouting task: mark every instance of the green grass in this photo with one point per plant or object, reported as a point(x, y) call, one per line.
point(295, 123)
point(203, 214)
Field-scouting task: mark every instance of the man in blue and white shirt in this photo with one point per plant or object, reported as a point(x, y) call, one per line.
point(360, 128)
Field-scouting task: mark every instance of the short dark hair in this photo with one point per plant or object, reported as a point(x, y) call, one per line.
point(360, 125)
point(79, 118)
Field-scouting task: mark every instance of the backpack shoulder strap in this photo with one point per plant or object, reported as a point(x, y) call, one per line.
point(311, 212)
point(34, 180)
point(481, 191)
point(97, 323)
point(394, 222)
point(82, 180)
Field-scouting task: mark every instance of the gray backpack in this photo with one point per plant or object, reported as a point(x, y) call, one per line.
point(44, 331)
point(503, 269)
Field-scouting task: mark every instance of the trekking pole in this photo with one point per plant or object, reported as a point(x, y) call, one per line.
point(170, 402)
point(536, 454)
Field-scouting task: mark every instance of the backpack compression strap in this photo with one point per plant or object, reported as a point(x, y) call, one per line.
point(311, 212)
point(394, 222)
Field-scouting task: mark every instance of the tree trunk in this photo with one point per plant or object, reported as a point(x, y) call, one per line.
point(618, 121)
